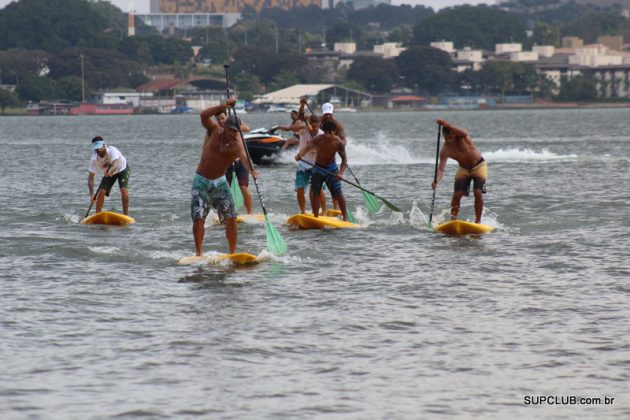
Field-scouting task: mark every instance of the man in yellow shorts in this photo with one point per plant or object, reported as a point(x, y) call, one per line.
point(472, 167)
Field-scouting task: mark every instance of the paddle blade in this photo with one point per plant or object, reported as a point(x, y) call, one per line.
point(237, 195)
point(275, 244)
point(390, 205)
point(350, 216)
point(371, 203)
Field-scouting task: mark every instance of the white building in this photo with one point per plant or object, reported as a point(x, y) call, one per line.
point(446, 46)
point(544, 50)
point(469, 54)
point(595, 55)
point(507, 48)
point(524, 56)
point(345, 47)
point(389, 49)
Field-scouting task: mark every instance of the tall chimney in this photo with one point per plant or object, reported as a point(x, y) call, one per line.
point(131, 27)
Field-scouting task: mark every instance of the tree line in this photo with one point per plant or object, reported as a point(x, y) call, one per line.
point(49, 47)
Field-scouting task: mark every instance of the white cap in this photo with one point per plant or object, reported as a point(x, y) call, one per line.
point(327, 108)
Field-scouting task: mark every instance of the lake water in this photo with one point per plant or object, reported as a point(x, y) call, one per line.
point(390, 321)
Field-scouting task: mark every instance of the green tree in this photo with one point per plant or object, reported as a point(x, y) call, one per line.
point(102, 69)
point(7, 99)
point(71, 88)
point(507, 77)
point(402, 33)
point(35, 88)
point(49, 25)
point(546, 34)
point(470, 26)
point(430, 69)
point(580, 88)
point(374, 74)
point(247, 86)
point(592, 25)
point(17, 63)
point(265, 64)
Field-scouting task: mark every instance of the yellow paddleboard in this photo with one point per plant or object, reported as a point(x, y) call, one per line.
point(460, 227)
point(108, 218)
point(250, 218)
point(237, 259)
point(308, 221)
point(333, 213)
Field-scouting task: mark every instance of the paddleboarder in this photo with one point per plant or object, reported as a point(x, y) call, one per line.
point(472, 167)
point(115, 168)
point(327, 146)
point(297, 123)
point(221, 146)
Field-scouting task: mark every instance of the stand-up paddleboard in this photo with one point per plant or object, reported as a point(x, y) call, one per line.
point(460, 227)
point(308, 221)
point(250, 218)
point(238, 259)
point(108, 218)
point(333, 213)
point(243, 218)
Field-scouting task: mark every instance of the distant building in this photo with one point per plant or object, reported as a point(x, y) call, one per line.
point(508, 48)
point(227, 6)
point(444, 46)
point(613, 42)
point(318, 94)
point(164, 21)
point(572, 42)
point(389, 49)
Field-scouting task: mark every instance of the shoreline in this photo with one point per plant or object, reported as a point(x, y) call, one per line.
point(21, 112)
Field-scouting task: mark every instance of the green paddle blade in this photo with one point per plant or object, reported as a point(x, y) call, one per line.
point(275, 243)
point(237, 195)
point(350, 216)
point(371, 203)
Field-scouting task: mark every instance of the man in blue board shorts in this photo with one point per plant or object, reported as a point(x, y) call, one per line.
point(472, 167)
point(327, 145)
point(221, 146)
point(115, 168)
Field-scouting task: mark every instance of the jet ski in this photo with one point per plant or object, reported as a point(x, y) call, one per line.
point(263, 145)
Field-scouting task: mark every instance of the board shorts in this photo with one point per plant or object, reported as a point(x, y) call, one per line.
point(478, 174)
point(122, 177)
point(319, 177)
point(302, 178)
point(213, 193)
point(241, 174)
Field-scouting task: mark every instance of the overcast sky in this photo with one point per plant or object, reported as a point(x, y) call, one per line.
point(142, 6)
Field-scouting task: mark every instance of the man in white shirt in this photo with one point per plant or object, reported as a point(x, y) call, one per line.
point(114, 166)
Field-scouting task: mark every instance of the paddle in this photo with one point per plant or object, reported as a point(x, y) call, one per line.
point(237, 195)
point(87, 213)
point(437, 156)
point(387, 203)
point(370, 201)
point(275, 244)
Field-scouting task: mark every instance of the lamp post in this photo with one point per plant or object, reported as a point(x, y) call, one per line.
point(82, 80)
point(275, 26)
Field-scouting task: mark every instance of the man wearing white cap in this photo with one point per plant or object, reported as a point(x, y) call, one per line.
point(114, 166)
point(327, 114)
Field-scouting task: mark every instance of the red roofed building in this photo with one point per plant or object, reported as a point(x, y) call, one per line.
point(407, 102)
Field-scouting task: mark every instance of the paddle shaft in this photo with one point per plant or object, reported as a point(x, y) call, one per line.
point(387, 203)
point(238, 124)
point(87, 213)
point(437, 157)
